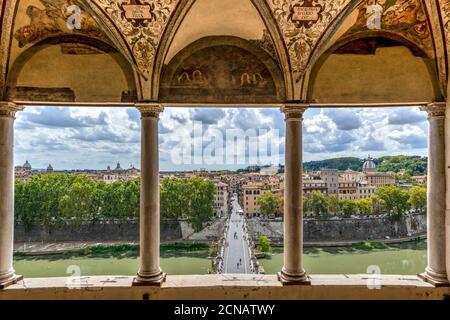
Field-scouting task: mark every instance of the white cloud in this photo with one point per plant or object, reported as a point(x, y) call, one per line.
point(96, 137)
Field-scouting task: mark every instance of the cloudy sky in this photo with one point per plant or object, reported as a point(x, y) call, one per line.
point(93, 138)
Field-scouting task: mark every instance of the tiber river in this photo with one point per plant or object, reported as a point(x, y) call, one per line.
point(404, 259)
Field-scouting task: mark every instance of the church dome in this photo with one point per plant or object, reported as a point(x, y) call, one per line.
point(27, 165)
point(369, 165)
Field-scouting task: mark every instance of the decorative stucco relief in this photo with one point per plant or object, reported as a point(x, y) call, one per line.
point(302, 23)
point(406, 18)
point(141, 23)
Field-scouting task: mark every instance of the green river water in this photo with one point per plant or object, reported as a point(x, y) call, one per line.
point(397, 259)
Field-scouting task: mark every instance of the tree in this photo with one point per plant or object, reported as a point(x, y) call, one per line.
point(264, 244)
point(413, 165)
point(200, 198)
point(77, 203)
point(418, 198)
point(280, 208)
point(377, 204)
point(395, 200)
point(364, 206)
point(348, 207)
point(190, 198)
point(173, 198)
point(319, 205)
point(305, 204)
point(333, 204)
point(269, 204)
point(53, 199)
point(37, 200)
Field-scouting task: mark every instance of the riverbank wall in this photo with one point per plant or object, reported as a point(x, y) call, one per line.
point(171, 230)
point(315, 231)
point(352, 230)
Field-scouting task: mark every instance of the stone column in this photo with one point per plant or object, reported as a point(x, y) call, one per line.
point(435, 273)
point(7, 114)
point(149, 272)
point(293, 272)
point(447, 196)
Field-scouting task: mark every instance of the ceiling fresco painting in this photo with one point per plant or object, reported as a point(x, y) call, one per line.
point(218, 73)
point(405, 18)
point(52, 20)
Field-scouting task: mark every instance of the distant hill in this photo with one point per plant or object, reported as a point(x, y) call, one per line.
point(336, 163)
point(414, 165)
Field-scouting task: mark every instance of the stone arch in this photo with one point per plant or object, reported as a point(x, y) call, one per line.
point(422, 69)
point(222, 69)
point(176, 20)
point(66, 94)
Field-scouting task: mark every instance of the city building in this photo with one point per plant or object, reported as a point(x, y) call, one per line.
point(380, 179)
point(221, 199)
point(419, 179)
point(250, 193)
point(110, 176)
point(348, 190)
point(351, 175)
point(365, 191)
point(331, 179)
point(23, 172)
point(49, 169)
point(310, 186)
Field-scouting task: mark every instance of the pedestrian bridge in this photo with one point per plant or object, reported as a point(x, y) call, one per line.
point(236, 252)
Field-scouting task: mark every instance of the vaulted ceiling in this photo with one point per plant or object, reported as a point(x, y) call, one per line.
point(134, 40)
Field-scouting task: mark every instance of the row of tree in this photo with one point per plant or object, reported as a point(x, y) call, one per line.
point(55, 199)
point(390, 199)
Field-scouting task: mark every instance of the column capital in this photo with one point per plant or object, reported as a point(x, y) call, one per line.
point(435, 109)
point(9, 109)
point(294, 111)
point(149, 109)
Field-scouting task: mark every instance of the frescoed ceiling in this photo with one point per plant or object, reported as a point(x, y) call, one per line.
point(136, 27)
point(404, 18)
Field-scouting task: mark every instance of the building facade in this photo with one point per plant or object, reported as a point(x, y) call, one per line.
point(331, 178)
point(221, 199)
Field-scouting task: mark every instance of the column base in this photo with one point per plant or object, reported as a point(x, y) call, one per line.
point(436, 279)
point(154, 280)
point(287, 279)
point(9, 282)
